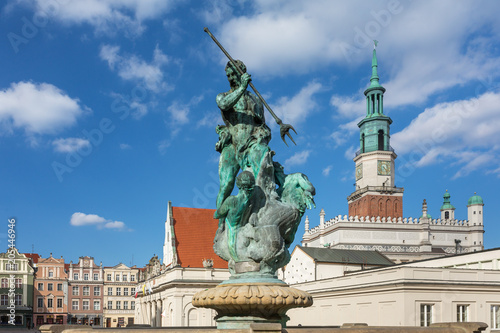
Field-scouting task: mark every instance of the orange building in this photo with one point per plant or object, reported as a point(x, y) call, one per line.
point(50, 297)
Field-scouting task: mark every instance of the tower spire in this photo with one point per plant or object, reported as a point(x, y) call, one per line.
point(374, 79)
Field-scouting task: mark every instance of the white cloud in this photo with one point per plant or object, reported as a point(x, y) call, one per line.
point(296, 109)
point(326, 171)
point(460, 132)
point(81, 219)
point(132, 68)
point(163, 146)
point(37, 108)
point(106, 16)
point(216, 11)
point(124, 146)
point(210, 119)
point(69, 145)
point(179, 112)
point(297, 159)
point(294, 36)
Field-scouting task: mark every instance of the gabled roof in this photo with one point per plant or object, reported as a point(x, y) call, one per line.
point(194, 232)
point(347, 256)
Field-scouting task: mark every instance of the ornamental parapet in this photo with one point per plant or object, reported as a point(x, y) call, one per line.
point(380, 189)
point(391, 220)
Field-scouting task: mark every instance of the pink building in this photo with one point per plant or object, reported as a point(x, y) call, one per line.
point(85, 292)
point(50, 297)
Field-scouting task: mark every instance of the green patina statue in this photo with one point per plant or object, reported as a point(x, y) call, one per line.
point(258, 225)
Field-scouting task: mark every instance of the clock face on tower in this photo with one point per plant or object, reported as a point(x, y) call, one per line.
point(359, 171)
point(384, 168)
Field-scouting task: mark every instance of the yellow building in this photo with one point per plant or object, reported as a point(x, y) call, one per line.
point(120, 283)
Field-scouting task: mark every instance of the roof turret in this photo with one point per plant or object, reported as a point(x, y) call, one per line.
point(475, 200)
point(446, 201)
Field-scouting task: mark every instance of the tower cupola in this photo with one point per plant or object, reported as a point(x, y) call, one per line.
point(475, 209)
point(447, 209)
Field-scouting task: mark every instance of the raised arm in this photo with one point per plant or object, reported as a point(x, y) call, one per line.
point(226, 101)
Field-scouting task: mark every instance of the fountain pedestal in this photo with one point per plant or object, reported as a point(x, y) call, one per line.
point(240, 305)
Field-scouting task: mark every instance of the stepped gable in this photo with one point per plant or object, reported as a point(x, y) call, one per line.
point(194, 232)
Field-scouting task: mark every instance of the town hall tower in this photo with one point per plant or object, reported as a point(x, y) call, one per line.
point(375, 193)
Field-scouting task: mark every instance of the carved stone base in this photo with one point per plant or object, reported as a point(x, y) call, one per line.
point(240, 304)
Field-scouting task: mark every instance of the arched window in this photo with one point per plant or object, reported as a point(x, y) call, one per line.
point(363, 143)
point(380, 140)
point(446, 215)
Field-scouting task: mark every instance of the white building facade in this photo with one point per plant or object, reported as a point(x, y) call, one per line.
point(413, 294)
point(120, 283)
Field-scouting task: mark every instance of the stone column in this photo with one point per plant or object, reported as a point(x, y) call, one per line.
point(159, 307)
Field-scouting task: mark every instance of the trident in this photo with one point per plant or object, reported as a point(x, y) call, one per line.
point(284, 128)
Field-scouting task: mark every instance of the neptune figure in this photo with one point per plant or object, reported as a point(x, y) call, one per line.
point(258, 224)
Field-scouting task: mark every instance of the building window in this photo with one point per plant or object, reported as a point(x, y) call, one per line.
point(125, 305)
point(18, 282)
point(118, 291)
point(132, 277)
point(50, 286)
point(462, 313)
point(124, 278)
point(18, 299)
point(86, 291)
point(4, 300)
point(5, 283)
point(110, 291)
point(446, 215)
point(76, 291)
point(75, 276)
point(86, 276)
point(132, 305)
point(96, 277)
point(97, 305)
point(49, 302)
point(132, 291)
point(118, 305)
point(108, 277)
point(125, 291)
point(11, 267)
point(110, 305)
point(85, 305)
point(97, 291)
point(51, 274)
point(425, 314)
point(74, 305)
point(495, 317)
point(59, 302)
point(117, 277)
point(59, 287)
point(39, 302)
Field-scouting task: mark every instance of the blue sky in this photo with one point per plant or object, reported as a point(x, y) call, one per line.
point(107, 108)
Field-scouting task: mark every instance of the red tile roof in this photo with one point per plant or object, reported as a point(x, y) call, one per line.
point(33, 256)
point(194, 231)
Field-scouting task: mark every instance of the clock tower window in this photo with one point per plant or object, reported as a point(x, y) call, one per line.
point(380, 140)
point(362, 142)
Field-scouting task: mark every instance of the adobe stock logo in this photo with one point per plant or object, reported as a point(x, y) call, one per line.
point(30, 28)
point(363, 37)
